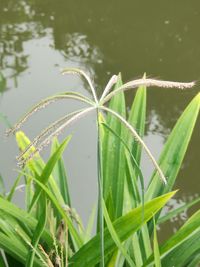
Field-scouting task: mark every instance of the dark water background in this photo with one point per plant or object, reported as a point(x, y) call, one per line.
point(38, 38)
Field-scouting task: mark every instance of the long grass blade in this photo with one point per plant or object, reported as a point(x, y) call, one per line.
point(3, 261)
point(56, 204)
point(38, 232)
point(17, 234)
point(194, 260)
point(115, 237)
point(13, 189)
point(44, 177)
point(16, 250)
point(60, 175)
point(156, 247)
point(125, 226)
point(174, 150)
point(186, 240)
point(36, 166)
point(133, 161)
point(138, 138)
point(2, 186)
point(113, 152)
point(21, 215)
point(137, 118)
point(90, 225)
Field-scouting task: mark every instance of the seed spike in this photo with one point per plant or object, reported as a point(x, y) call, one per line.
point(82, 73)
point(43, 104)
point(148, 83)
point(55, 134)
point(109, 85)
point(47, 131)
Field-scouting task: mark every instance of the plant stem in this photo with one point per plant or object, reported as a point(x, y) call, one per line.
point(100, 191)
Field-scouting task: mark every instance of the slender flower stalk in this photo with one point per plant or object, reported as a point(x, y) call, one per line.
point(44, 103)
point(109, 85)
point(147, 83)
point(100, 191)
point(82, 73)
point(138, 138)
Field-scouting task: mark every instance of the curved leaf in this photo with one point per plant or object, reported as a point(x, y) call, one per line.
point(174, 150)
point(113, 152)
point(186, 240)
point(125, 226)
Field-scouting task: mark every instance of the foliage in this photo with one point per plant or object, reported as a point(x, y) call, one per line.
point(49, 232)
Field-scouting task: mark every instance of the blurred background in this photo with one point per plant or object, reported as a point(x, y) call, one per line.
point(39, 38)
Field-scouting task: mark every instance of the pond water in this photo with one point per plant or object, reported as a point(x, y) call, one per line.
point(39, 38)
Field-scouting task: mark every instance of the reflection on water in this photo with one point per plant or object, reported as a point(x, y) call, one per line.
point(77, 49)
point(16, 27)
point(2, 83)
point(103, 37)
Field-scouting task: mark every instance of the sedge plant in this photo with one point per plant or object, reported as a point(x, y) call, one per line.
point(54, 234)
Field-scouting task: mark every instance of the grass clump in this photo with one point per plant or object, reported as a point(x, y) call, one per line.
point(49, 232)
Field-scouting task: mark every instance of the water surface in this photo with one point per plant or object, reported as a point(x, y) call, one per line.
point(38, 38)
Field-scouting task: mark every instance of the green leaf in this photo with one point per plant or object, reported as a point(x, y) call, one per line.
point(90, 225)
point(12, 191)
point(131, 190)
point(178, 210)
point(29, 190)
point(2, 186)
point(182, 245)
point(21, 215)
point(137, 117)
point(15, 238)
point(38, 232)
point(113, 152)
point(125, 226)
point(194, 260)
point(37, 165)
point(174, 150)
point(115, 237)
point(44, 177)
point(2, 262)
point(68, 221)
point(156, 247)
point(132, 184)
point(60, 175)
point(16, 250)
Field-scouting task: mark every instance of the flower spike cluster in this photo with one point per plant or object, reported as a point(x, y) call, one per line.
point(56, 128)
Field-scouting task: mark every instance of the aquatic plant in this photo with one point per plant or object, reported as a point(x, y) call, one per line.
point(57, 127)
point(50, 232)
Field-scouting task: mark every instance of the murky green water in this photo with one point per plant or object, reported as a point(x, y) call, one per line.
point(38, 38)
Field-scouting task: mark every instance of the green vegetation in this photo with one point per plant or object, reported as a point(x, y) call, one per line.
point(49, 232)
